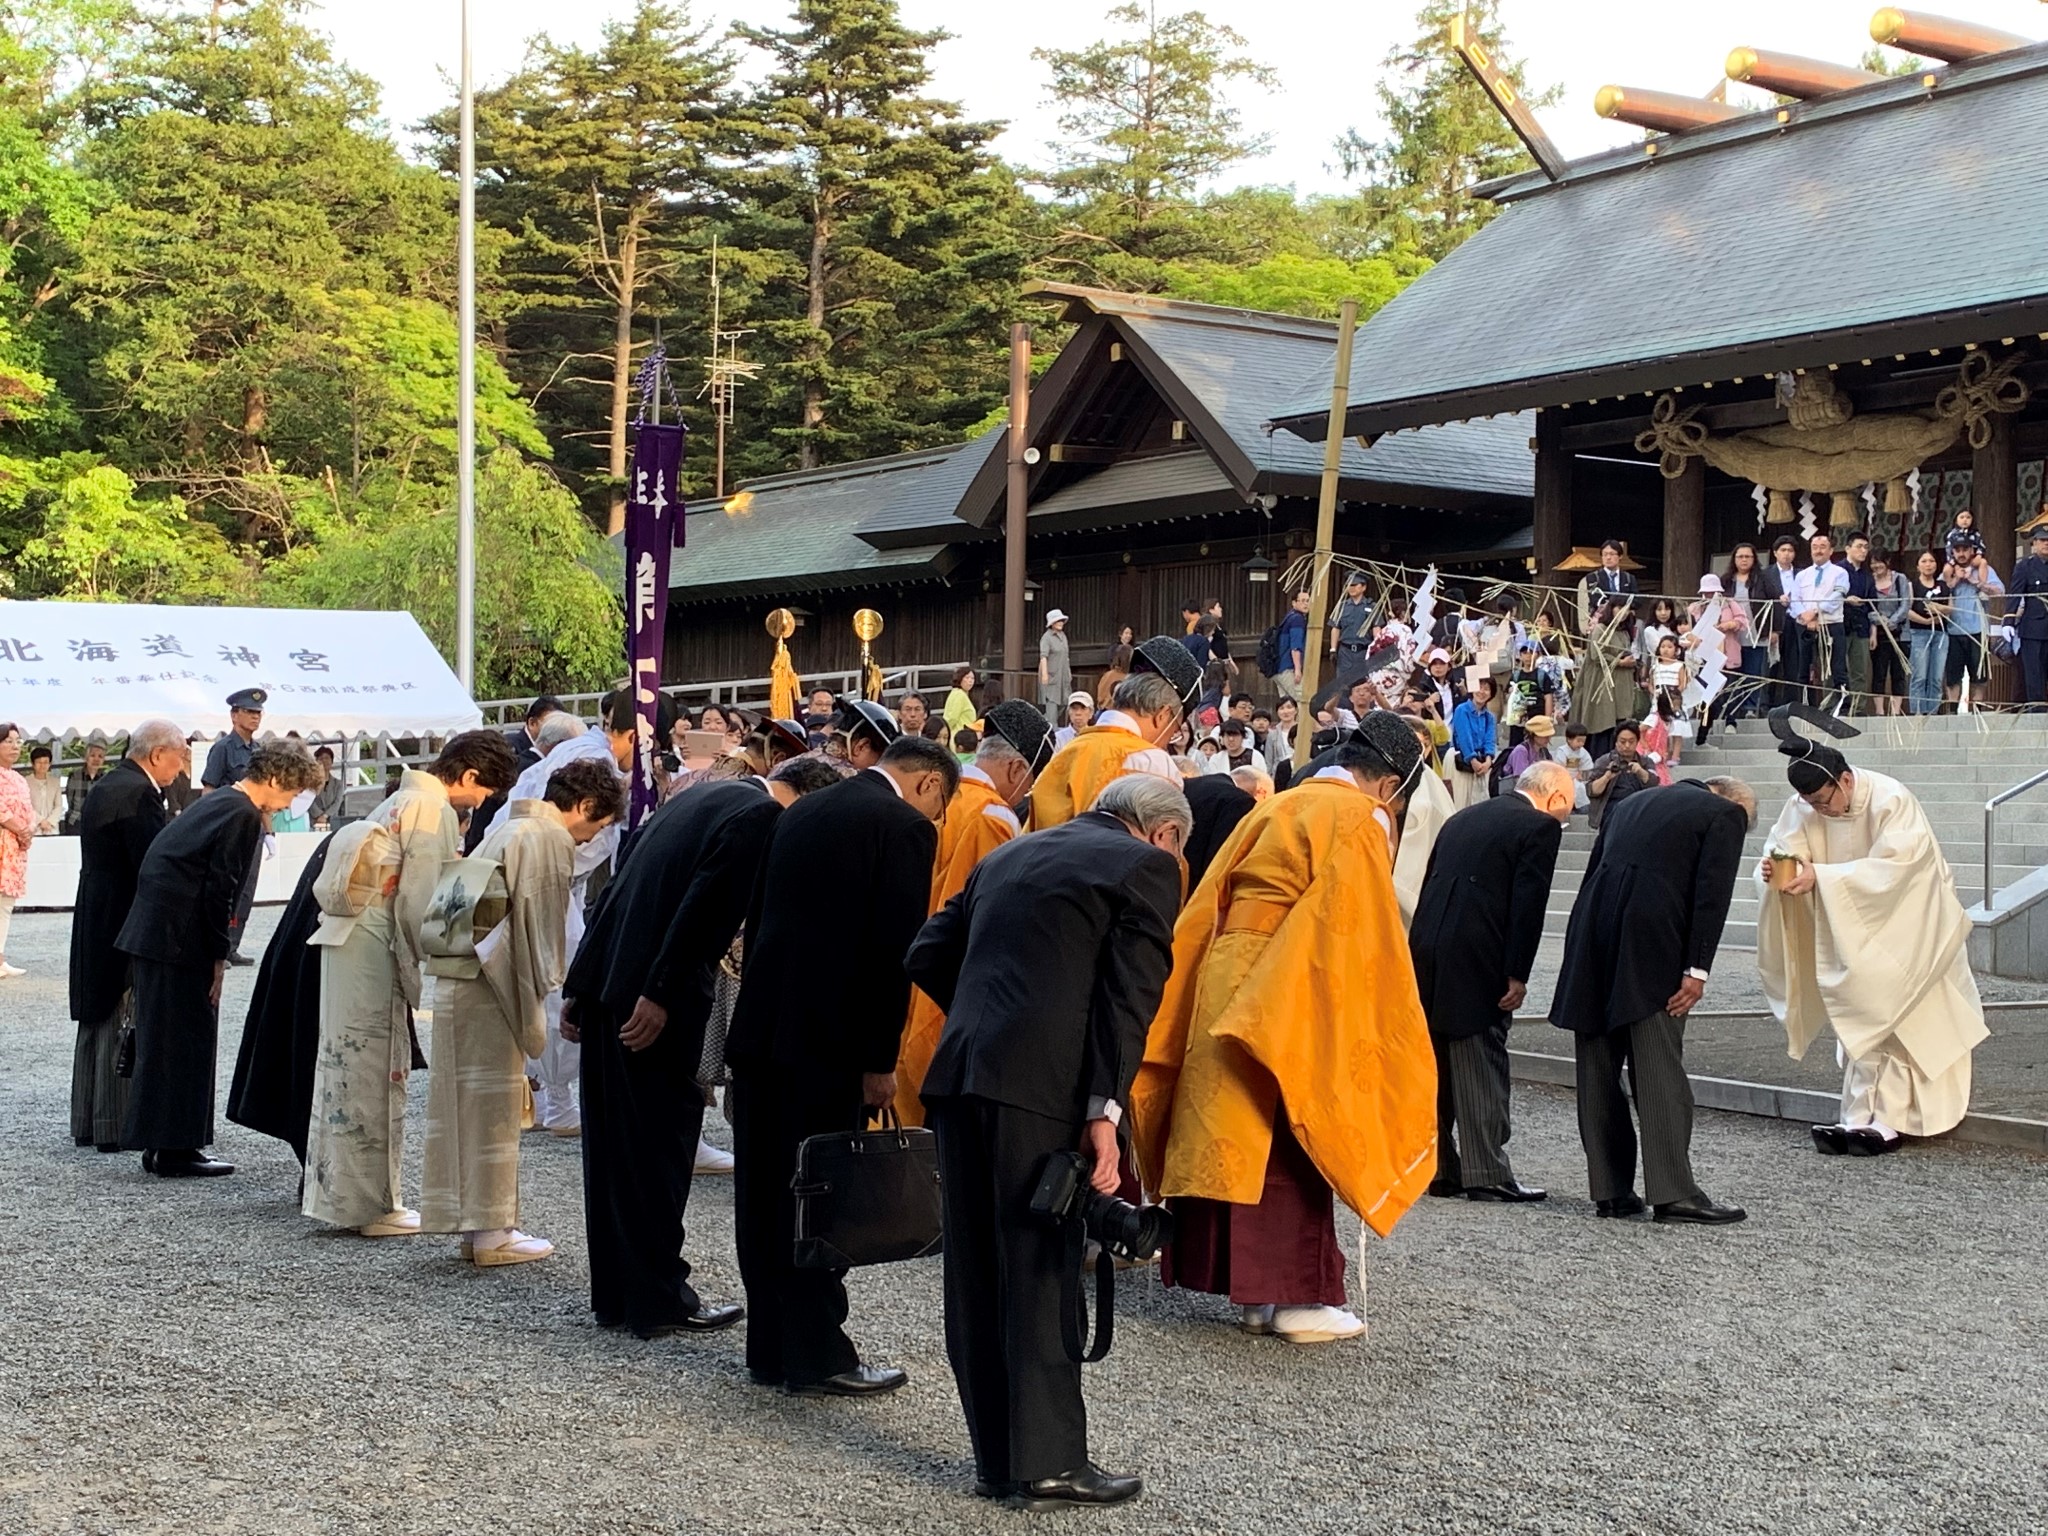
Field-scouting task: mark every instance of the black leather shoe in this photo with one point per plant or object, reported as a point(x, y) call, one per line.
point(1086, 1484)
point(1445, 1188)
point(765, 1378)
point(1509, 1193)
point(861, 1381)
point(1701, 1212)
point(185, 1165)
point(236, 957)
point(703, 1320)
point(1621, 1205)
point(81, 1141)
point(999, 1488)
point(106, 1146)
point(1865, 1142)
point(1830, 1140)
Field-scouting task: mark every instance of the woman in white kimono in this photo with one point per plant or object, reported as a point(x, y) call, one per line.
point(370, 983)
point(488, 1013)
point(1864, 934)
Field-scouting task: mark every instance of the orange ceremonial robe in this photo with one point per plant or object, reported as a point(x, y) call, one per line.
point(1080, 771)
point(1292, 984)
point(977, 824)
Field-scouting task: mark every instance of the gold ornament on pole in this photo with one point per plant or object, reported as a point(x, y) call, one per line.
point(867, 624)
point(783, 683)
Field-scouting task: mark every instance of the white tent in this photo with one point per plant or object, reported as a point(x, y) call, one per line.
point(103, 667)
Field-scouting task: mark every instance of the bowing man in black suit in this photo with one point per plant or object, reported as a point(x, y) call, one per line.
point(1477, 926)
point(637, 997)
point(1218, 803)
point(177, 936)
point(1649, 917)
point(847, 877)
point(1050, 966)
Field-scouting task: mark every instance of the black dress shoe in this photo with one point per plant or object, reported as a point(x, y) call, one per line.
point(1866, 1142)
point(1621, 1205)
point(106, 1146)
point(1700, 1211)
point(703, 1320)
point(1446, 1188)
point(1086, 1484)
point(236, 957)
point(994, 1488)
point(184, 1165)
point(1830, 1140)
point(764, 1378)
point(1509, 1193)
point(81, 1141)
point(861, 1381)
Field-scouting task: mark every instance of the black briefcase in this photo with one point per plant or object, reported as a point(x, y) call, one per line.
point(867, 1197)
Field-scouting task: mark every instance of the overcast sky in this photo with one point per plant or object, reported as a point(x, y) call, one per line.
point(1327, 54)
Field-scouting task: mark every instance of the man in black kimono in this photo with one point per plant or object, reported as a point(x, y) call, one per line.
point(844, 888)
point(1478, 923)
point(1050, 965)
point(1643, 933)
point(119, 820)
point(637, 997)
point(178, 935)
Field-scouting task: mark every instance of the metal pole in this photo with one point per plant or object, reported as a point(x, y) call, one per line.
point(1326, 534)
point(465, 387)
point(1016, 514)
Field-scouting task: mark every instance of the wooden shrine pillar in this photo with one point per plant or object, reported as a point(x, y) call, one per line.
point(1995, 497)
point(1685, 531)
point(1553, 500)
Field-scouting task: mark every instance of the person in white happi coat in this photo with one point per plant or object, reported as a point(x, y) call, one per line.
point(372, 903)
point(488, 1015)
point(1864, 935)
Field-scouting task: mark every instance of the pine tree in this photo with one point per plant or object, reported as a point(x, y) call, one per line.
point(882, 245)
point(1444, 136)
point(606, 164)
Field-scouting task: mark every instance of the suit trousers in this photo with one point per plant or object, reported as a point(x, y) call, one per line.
point(1020, 1392)
point(2034, 668)
point(795, 1317)
point(99, 1095)
point(1472, 1098)
point(642, 1114)
point(1822, 653)
point(1652, 1051)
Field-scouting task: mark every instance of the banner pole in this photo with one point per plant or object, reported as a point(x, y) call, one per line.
point(1326, 535)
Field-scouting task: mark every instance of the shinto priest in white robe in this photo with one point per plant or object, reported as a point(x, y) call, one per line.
point(1876, 952)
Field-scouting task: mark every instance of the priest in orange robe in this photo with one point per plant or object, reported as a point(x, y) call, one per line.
point(1290, 1062)
point(1016, 742)
point(1127, 737)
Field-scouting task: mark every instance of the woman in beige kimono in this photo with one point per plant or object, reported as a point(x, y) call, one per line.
point(488, 1009)
point(370, 983)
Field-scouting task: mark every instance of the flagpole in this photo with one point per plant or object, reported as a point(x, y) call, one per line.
point(465, 403)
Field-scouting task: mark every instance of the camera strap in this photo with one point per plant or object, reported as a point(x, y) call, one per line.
point(1073, 1311)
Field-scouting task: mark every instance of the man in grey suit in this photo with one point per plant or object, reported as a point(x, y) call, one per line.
point(1649, 919)
point(1477, 926)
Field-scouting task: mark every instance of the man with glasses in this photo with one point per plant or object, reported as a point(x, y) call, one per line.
point(1853, 872)
point(1817, 603)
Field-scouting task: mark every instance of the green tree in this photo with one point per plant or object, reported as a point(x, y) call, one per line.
point(880, 251)
point(1296, 285)
point(1444, 136)
point(1149, 123)
point(606, 165)
point(548, 612)
point(100, 544)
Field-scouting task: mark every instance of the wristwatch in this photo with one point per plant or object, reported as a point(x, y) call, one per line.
point(1696, 973)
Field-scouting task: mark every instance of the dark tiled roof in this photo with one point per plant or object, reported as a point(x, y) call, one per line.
point(1738, 248)
point(799, 532)
point(931, 498)
point(1174, 484)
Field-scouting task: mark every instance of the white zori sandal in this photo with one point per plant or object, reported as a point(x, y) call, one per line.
point(399, 1223)
point(1316, 1325)
point(513, 1247)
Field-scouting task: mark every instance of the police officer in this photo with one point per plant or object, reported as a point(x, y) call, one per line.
point(227, 763)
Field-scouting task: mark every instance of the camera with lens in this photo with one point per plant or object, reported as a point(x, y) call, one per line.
point(1134, 1232)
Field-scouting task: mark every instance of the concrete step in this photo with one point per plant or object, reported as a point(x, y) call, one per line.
point(1984, 763)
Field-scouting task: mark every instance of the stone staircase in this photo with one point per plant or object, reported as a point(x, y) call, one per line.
point(1952, 763)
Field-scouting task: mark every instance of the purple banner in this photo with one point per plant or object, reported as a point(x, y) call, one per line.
point(654, 527)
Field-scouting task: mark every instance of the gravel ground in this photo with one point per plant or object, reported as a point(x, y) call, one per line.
point(1863, 1355)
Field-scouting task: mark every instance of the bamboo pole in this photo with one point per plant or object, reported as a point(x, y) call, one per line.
point(1016, 516)
point(1326, 535)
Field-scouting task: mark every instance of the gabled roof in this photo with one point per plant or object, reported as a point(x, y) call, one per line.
point(1886, 219)
point(798, 532)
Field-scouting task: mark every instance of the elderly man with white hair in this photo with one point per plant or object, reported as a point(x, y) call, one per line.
point(120, 818)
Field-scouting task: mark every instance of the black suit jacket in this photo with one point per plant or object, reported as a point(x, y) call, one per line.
point(2026, 598)
point(844, 888)
point(1219, 804)
point(669, 914)
point(186, 889)
point(1479, 919)
point(1653, 905)
point(1050, 965)
point(1767, 614)
point(122, 817)
point(485, 816)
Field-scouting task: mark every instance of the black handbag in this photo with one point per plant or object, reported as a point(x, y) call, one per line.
point(867, 1197)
